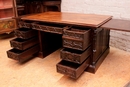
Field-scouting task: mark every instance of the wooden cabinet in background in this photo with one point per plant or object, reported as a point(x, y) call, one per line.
point(7, 24)
point(26, 44)
point(11, 10)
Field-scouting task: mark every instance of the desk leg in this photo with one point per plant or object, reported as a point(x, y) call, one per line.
point(40, 43)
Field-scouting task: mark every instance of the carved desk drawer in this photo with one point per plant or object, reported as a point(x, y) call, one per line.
point(47, 27)
point(25, 33)
point(24, 24)
point(73, 70)
point(22, 56)
point(74, 55)
point(78, 39)
point(23, 44)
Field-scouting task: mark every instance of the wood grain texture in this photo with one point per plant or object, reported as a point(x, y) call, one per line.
point(91, 20)
point(118, 24)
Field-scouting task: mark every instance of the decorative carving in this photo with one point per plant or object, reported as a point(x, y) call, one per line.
point(73, 44)
point(71, 34)
point(25, 33)
point(66, 71)
point(70, 56)
point(58, 30)
point(23, 24)
point(16, 45)
point(12, 55)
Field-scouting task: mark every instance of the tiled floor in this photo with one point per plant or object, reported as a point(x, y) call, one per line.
point(114, 71)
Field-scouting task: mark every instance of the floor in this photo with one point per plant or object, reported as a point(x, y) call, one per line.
point(113, 72)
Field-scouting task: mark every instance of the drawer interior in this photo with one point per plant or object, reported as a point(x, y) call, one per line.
point(77, 29)
point(69, 64)
point(24, 29)
point(20, 40)
point(72, 51)
point(16, 51)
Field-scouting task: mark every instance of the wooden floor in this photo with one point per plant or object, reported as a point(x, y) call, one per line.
point(114, 71)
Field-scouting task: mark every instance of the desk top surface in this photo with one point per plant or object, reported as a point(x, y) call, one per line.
point(118, 24)
point(91, 20)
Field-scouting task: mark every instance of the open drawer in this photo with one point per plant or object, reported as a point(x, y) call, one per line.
point(77, 38)
point(75, 55)
point(22, 44)
point(23, 56)
point(25, 33)
point(72, 70)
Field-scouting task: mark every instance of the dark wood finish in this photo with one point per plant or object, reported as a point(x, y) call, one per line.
point(23, 24)
point(23, 44)
point(91, 20)
point(48, 27)
point(52, 6)
point(93, 67)
point(21, 55)
point(80, 29)
point(74, 55)
point(73, 70)
point(25, 33)
point(24, 7)
point(100, 48)
point(49, 42)
point(76, 38)
point(118, 24)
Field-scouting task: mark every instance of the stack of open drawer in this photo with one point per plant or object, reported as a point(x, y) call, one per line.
point(25, 46)
point(76, 52)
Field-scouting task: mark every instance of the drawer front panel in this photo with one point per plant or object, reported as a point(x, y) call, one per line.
point(24, 33)
point(23, 24)
point(23, 44)
point(48, 27)
point(22, 56)
point(79, 33)
point(74, 55)
point(73, 70)
point(76, 38)
point(75, 43)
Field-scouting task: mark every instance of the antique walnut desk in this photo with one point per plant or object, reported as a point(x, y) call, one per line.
point(84, 42)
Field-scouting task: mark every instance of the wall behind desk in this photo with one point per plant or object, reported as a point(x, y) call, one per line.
point(117, 8)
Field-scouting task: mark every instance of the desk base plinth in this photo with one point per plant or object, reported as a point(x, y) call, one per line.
point(93, 68)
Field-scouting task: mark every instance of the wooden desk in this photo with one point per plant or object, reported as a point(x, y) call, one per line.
point(85, 43)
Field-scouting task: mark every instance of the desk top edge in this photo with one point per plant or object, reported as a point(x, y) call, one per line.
point(91, 20)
